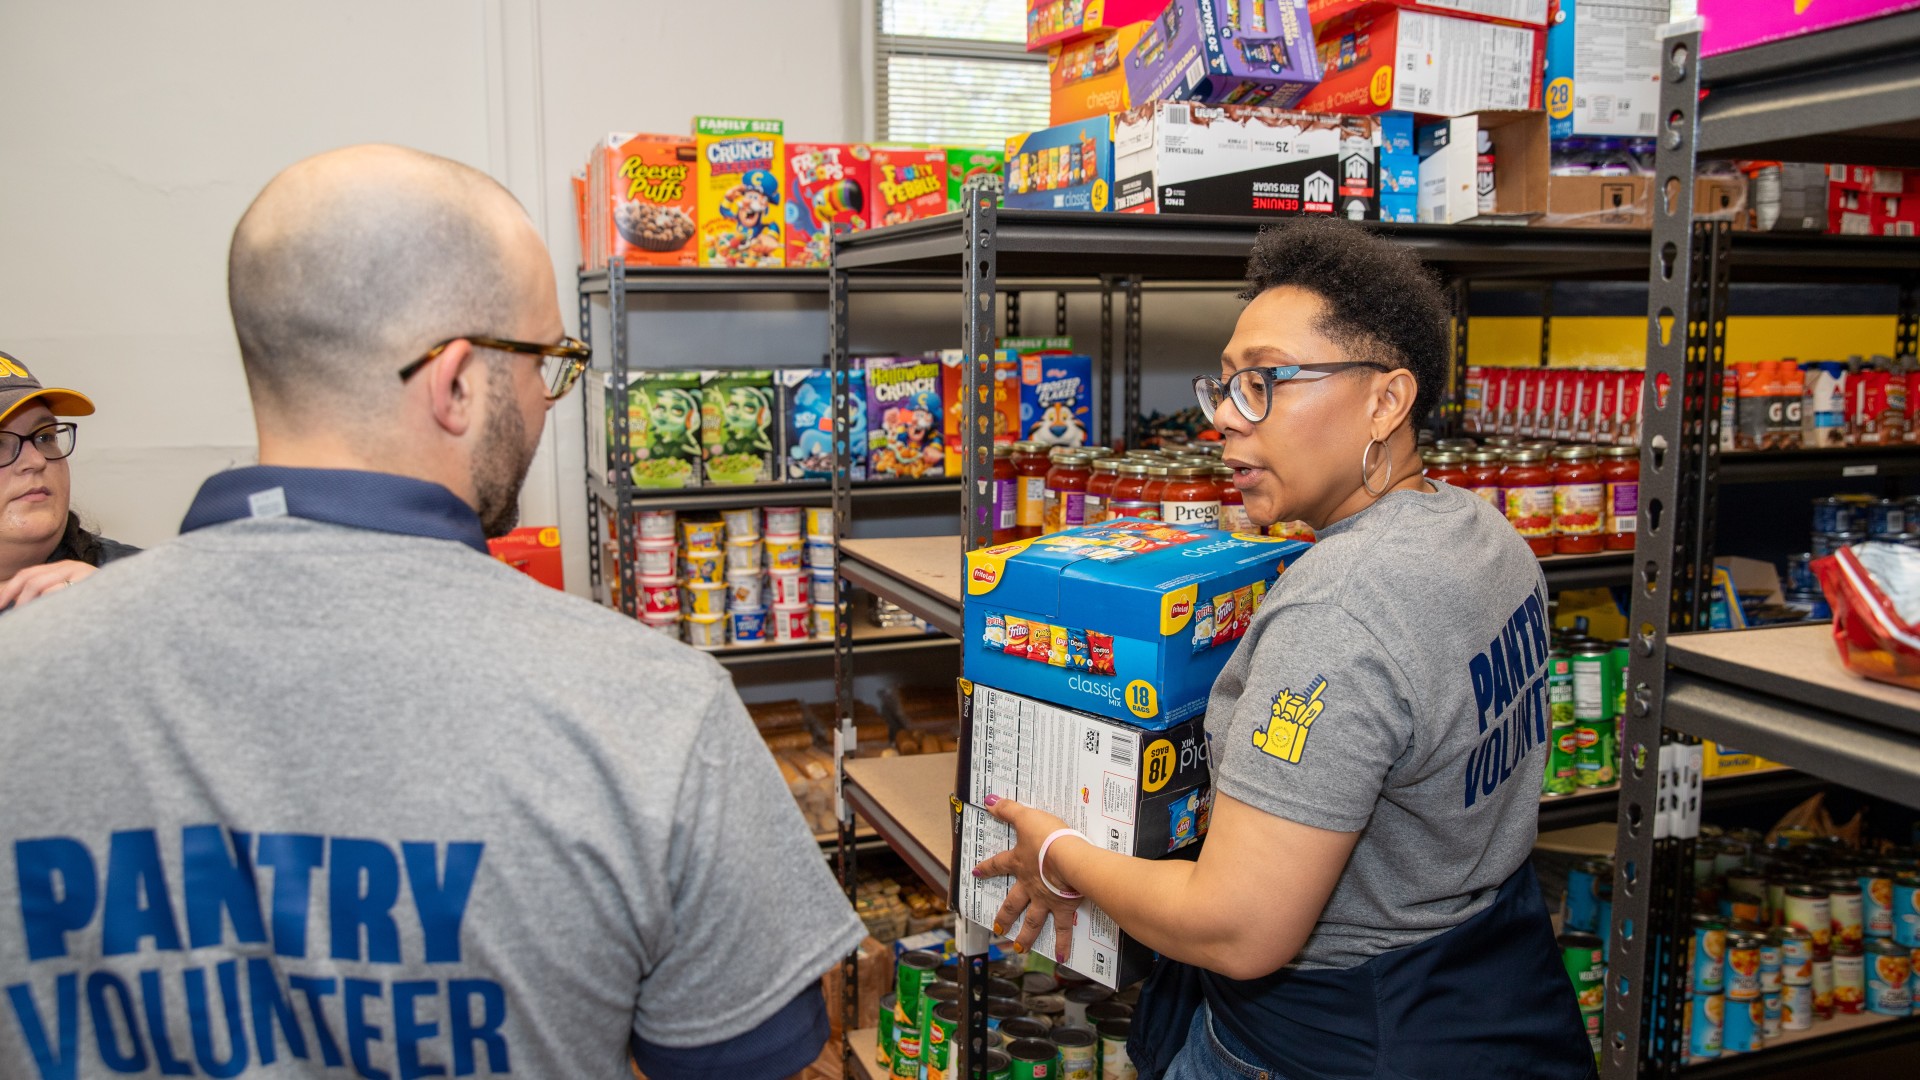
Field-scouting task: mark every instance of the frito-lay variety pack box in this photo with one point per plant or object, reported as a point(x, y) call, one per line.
point(1381, 57)
point(741, 163)
point(907, 185)
point(663, 427)
point(736, 426)
point(1056, 398)
point(964, 164)
point(1232, 52)
point(1176, 157)
point(1050, 22)
point(828, 184)
point(1129, 619)
point(639, 202)
point(534, 551)
point(1006, 400)
point(1068, 167)
point(1128, 789)
point(806, 419)
point(905, 426)
point(1086, 76)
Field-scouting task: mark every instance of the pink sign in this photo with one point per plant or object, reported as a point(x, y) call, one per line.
point(1736, 24)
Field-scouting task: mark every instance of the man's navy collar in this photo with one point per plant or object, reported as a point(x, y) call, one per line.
point(381, 502)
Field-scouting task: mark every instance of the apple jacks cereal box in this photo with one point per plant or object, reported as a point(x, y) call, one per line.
point(639, 203)
point(740, 166)
point(736, 426)
point(828, 184)
point(1006, 400)
point(1130, 619)
point(904, 421)
point(908, 185)
point(806, 410)
point(963, 165)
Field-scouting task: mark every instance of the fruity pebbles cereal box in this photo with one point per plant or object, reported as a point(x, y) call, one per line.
point(740, 164)
point(828, 184)
point(908, 185)
point(639, 201)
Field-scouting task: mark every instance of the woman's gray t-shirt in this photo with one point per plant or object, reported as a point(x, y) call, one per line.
point(1394, 684)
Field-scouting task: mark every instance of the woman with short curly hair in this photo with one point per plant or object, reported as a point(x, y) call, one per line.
point(1363, 905)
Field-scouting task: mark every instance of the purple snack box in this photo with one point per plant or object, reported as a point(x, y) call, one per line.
point(1255, 52)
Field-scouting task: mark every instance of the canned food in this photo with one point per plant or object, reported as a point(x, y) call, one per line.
point(824, 616)
point(1594, 753)
point(1709, 1013)
point(820, 523)
point(999, 1065)
point(782, 520)
point(1769, 965)
point(1561, 776)
point(1050, 1010)
point(1595, 1023)
point(1101, 1011)
point(1886, 520)
point(1849, 982)
point(1776, 898)
point(1800, 576)
point(1748, 882)
point(1004, 986)
point(938, 1042)
point(1796, 956)
point(706, 631)
point(1743, 966)
point(1001, 1009)
point(1808, 909)
point(1730, 856)
point(934, 995)
point(911, 976)
point(1709, 955)
point(704, 565)
point(656, 524)
point(1744, 1026)
point(1704, 851)
point(1876, 901)
point(1583, 894)
point(1906, 910)
point(784, 552)
point(1796, 1008)
point(1771, 1004)
point(1846, 910)
point(1580, 954)
point(1024, 1027)
point(1889, 971)
point(1115, 1062)
point(883, 1054)
point(1832, 515)
point(704, 598)
point(1033, 1059)
point(742, 523)
point(657, 558)
point(1038, 983)
point(1079, 997)
point(1825, 544)
point(1823, 987)
point(1079, 1050)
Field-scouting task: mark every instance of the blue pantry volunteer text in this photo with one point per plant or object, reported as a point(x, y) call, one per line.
point(1510, 692)
point(249, 1008)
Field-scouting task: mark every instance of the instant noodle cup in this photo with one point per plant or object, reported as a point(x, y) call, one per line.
point(706, 631)
point(782, 520)
point(745, 553)
point(825, 589)
point(703, 565)
point(792, 623)
point(657, 558)
point(656, 524)
point(784, 552)
point(747, 626)
point(702, 534)
point(823, 620)
point(703, 598)
point(819, 523)
point(665, 622)
point(745, 590)
point(660, 595)
point(790, 587)
point(819, 554)
point(743, 522)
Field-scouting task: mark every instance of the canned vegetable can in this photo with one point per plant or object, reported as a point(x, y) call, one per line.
point(1823, 987)
point(1849, 982)
point(1889, 974)
point(1807, 909)
point(1846, 908)
point(1769, 965)
point(999, 1065)
point(1743, 1028)
point(1033, 1059)
point(1023, 1027)
point(1617, 659)
point(913, 974)
point(1580, 955)
point(1709, 1012)
point(1115, 1062)
point(1743, 966)
point(1771, 1004)
point(883, 1054)
point(1796, 956)
point(1079, 1053)
point(1561, 776)
point(934, 995)
point(937, 1048)
point(1796, 1008)
point(1876, 901)
point(1709, 955)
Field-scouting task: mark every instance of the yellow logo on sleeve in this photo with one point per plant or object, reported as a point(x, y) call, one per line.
point(1287, 728)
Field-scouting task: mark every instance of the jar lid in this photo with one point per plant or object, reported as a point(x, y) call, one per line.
point(1132, 468)
point(1574, 453)
point(1441, 457)
point(1525, 457)
point(1191, 472)
point(1144, 455)
point(1097, 451)
point(1106, 464)
point(1456, 446)
point(1028, 446)
point(1545, 446)
point(1620, 451)
point(1058, 452)
point(1001, 449)
point(1160, 468)
point(1065, 456)
point(1484, 457)
point(1500, 442)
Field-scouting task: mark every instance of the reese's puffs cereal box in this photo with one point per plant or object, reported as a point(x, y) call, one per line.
point(740, 165)
point(908, 185)
point(639, 205)
point(828, 184)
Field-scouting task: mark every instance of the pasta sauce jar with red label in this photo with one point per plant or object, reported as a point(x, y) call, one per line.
point(1620, 471)
point(1190, 497)
point(1579, 496)
point(1527, 484)
point(1483, 469)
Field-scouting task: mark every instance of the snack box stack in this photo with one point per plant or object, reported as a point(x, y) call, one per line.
point(1253, 52)
point(636, 201)
point(1085, 45)
point(1436, 59)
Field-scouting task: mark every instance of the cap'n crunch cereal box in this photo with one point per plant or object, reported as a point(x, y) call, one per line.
point(828, 184)
point(639, 201)
point(908, 185)
point(740, 167)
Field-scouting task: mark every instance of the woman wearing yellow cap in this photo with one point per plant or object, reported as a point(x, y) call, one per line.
point(42, 546)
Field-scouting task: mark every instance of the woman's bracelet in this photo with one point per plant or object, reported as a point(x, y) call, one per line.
point(1064, 894)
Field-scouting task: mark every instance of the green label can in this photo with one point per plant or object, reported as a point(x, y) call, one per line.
point(1079, 1051)
point(932, 998)
point(1115, 1062)
point(1034, 1059)
point(1561, 776)
point(914, 973)
point(1617, 658)
point(999, 1065)
point(884, 1054)
point(937, 1048)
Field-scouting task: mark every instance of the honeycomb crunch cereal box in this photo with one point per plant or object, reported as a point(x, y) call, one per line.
point(639, 201)
point(828, 184)
point(964, 164)
point(740, 164)
point(908, 185)
point(905, 432)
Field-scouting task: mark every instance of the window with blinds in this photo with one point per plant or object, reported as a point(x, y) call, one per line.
point(955, 72)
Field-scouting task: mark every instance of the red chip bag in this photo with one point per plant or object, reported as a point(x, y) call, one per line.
point(1874, 590)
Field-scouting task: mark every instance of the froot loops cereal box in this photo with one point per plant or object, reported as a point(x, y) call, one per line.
point(828, 184)
point(908, 185)
point(741, 214)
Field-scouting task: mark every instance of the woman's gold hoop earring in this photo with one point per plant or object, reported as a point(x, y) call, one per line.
point(1366, 470)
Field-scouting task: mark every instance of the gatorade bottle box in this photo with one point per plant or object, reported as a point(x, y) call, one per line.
point(1100, 950)
point(1176, 157)
point(1128, 789)
point(1128, 619)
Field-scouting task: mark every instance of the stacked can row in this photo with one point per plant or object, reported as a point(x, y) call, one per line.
point(1787, 404)
point(1572, 405)
point(1040, 1026)
point(1562, 499)
point(746, 577)
point(1843, 520)
point(1586, 696)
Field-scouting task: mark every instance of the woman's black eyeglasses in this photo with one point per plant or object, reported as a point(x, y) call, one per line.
point(54, 442)
point(1252, 388)
point(560, 365)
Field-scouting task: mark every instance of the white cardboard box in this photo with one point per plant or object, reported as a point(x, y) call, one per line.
point(1178, 157)
point(1603, 68)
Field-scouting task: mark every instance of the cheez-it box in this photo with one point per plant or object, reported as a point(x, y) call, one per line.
point(1380, 57)
point(1130, 619)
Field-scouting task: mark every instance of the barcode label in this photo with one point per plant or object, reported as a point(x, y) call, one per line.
point(1178, 116)
point(1195, 72)
point(1646, 122)
point(1121, 752)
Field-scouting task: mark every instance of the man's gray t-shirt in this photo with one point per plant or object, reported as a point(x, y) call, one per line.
point(283, 791)
point(1394, 684)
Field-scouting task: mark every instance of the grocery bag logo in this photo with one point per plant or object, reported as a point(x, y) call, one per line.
point(1291, 721)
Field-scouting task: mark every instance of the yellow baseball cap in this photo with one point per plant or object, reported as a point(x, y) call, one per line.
point(18, 387)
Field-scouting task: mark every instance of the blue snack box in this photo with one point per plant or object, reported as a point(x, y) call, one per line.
point(1068, 167)
point(1396, 132)
point(1399, 174)
point(1401, 208)
point(1056, 399)
point(806, 421)
point(1130, 619)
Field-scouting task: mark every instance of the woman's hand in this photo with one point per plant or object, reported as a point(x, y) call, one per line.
point(37, 581)
point(1029, 894)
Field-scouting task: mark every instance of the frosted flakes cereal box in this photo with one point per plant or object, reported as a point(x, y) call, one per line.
point(908, 185)
point(828, 184)
point(740, 164)
point(639, 201)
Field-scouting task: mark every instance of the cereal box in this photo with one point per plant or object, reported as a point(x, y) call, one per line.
point(663, 427)
point(1148, 611)
point(1249, 52)
point(1056, 399)
point(1068, 167)
point(1085, 77)
point(1380, 58)
point(964, 164)
point(640, 201)
point(905, 428)
point(828, 184)
point(740, 213)
point(907, 185)
point(806, 417)
point(1178, 157)
point(736, 426)
point(1052, 21)
point(1006, 400)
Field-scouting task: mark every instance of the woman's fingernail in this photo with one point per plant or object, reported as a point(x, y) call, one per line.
point(999, 930)
point(991, 799)
point(976, 871)
point(1019, 948)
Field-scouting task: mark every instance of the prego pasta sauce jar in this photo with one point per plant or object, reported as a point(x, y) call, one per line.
point(1190, 497)
point(1578, 497)
point(1620, 472)
point(1527, 484)
point(1483, 477)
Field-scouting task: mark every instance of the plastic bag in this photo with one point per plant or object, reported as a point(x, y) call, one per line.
point(1874, 590)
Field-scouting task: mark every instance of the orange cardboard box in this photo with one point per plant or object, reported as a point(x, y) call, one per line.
point(1087, 77)
point(1006, 400)
point(640, 201)
point(534, 552)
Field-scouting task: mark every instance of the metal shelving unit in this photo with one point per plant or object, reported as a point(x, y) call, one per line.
point(1846, 95)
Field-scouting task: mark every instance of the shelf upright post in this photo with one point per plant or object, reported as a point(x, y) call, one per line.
point(625, 549)
point(845, 735)
point(1132, 373)
point(1012, 304)
point(1060, 313)
point(1106, 358)
point(594, 569)
point(1645, 989)
point(1454, 413)
point(1906, 326)
point(1546, 332)
point(980, 219)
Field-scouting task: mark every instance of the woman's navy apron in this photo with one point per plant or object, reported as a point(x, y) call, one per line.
point(1486, 998)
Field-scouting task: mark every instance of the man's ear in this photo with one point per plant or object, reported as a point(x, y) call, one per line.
point(455, 387)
